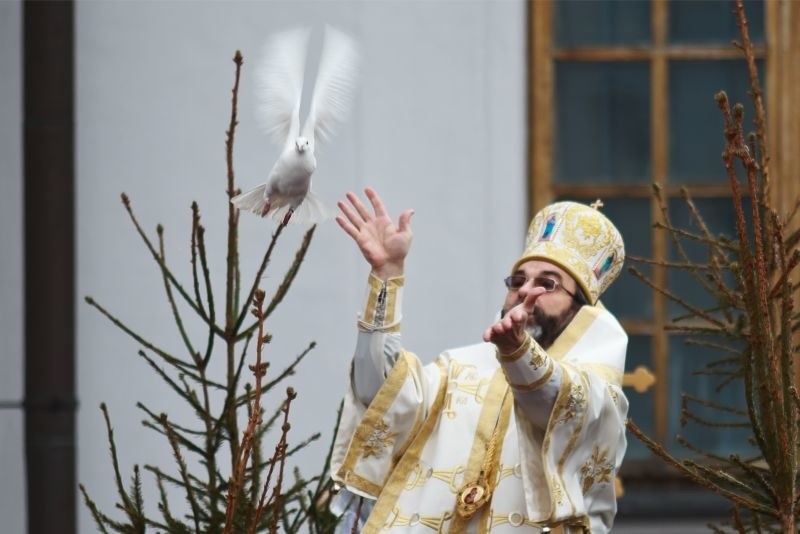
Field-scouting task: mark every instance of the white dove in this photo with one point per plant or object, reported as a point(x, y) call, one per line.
point(279, 80)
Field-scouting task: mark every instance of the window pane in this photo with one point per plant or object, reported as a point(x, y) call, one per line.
point(602, 123)
point(696, 125)
point(640, 404)
point(602, 22)
point(628, 297)
point(718, 214)
point(713, 21)
point(684, 361)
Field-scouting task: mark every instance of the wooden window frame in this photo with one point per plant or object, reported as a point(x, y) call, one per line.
point(782, 54)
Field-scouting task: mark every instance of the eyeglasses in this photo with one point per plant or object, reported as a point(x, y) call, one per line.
point(516, 281)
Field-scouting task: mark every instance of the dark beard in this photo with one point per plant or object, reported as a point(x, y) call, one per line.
point(545, 328)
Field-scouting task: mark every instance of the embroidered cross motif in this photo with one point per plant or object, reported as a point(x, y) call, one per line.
point(574, 403)
point(538, 358)
point(596, 470)
point(597, 204)
point(558, 493)
point(378, 440)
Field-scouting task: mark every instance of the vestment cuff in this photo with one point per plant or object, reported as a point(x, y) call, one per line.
point(382, 305)
point(517, 354)
point(527, 368)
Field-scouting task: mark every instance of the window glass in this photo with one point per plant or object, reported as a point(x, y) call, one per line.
point(718, 214)
point(628, 297)
point(602, 132)
point(696, 124)
point(601, 22)
point(712, 21)
point(685, 361)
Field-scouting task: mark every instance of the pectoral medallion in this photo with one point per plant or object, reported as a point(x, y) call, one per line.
point(471, 497)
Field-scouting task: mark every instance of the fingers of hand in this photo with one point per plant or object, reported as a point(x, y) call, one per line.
point(404, 222)
point(377, 203)
point(530, 298)
point(351, 230)
point(359, 206)
point(354, 218)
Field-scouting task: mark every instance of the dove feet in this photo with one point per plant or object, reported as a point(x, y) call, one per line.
point(265, 209)
point(287, 217)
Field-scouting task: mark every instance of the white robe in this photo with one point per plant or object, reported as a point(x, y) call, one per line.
point(424, 435)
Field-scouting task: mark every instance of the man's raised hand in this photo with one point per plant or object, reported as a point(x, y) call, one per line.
point(383, 244)
point(508, 333)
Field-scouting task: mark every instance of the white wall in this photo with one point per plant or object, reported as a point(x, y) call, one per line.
point(439, 125)
point(12, 456)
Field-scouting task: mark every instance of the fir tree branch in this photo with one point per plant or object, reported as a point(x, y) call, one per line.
point(283, 288)
point(127, 505)
point(187, 486)
point(290, 369)
point(690, 470)
point(99, 518)
point(697, 312)
point(280, 457)
point(181, 365)
point(257, 279)
point(201, 245)
point(172, 525)
point(231, 265)
point(669, 264)
point(687, 398)
point(183, 440)
point(175, 313)
point(235, 488)
point(165, 270)
point(756, 475)
point(193, 251)
point(175, 386)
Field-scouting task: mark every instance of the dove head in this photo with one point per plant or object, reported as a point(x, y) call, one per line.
point(302, 144)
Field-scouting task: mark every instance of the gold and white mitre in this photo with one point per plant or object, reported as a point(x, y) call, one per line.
point(580, 240)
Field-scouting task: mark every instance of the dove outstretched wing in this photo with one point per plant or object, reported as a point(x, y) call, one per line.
point(334, 86)
point(279, 84)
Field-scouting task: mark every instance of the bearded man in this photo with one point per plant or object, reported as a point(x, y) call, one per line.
point(522, 433)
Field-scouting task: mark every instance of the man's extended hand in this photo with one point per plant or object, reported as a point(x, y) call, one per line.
point(383, 244)
point(508, 333)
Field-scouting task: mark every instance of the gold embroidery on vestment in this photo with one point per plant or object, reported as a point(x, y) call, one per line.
point(575, 402)
point(399, 475)
point(536, 384)
point(555, 488)
point(378, 440)
point(596, 470)
point(507, 471)
point(453, 477)
point(435, 523)
point(538, 357)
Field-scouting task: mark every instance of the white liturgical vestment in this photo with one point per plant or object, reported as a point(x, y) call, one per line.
point(540, 433)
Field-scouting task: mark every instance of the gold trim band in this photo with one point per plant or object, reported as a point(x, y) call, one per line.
point(517, 354)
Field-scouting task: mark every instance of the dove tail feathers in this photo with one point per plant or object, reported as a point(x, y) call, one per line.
point(311, 211)
point(253, 200)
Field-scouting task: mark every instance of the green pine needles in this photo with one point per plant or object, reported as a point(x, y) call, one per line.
point(753, 324)
point(251, 493)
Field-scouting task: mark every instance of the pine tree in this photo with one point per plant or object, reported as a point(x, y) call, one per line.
point(753, 325)
point(251, 494)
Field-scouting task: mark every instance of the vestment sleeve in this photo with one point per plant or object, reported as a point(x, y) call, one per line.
point(388, 398)
point(571, 418)
point(378, 343)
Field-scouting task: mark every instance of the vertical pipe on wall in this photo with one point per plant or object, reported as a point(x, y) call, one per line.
point(48, 70)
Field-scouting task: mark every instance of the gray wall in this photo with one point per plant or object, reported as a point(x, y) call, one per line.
point(438, 125)
point(12, 466)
